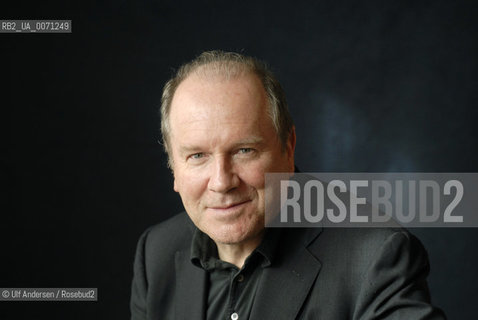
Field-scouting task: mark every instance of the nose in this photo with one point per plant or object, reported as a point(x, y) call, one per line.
point(223, 178)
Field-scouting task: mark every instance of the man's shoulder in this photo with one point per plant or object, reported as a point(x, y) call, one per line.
point(362, 245)
point(366, 236)
point(178, 221)
point(170, 235)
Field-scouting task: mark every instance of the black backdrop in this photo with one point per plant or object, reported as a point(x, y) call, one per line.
point(373, 86)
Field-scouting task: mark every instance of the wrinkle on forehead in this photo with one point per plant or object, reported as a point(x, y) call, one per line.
point(212, 132)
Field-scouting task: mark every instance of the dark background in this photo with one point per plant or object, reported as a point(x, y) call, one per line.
point(373, 86)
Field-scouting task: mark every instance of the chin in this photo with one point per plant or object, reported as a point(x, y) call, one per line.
point(233, 234)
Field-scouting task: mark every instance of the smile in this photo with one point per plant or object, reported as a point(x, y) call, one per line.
point(230, 206)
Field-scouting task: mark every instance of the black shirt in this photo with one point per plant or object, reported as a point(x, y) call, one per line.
point(231, 290)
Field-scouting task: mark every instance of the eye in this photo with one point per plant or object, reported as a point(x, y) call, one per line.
point(196, 156)
point(245, 150)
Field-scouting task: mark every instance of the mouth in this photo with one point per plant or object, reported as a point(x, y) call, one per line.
point(229, 207)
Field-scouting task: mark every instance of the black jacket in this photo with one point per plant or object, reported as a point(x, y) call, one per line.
point(330, 273)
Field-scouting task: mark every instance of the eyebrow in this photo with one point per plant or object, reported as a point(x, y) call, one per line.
point(250, 140)
point(188, 149)
point(247, 141)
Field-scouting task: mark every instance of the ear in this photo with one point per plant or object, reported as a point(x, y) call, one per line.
point(171, 167)
point(175, 183)
point(290, 149)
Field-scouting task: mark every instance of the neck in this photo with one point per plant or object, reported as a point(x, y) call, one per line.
point(237, 253)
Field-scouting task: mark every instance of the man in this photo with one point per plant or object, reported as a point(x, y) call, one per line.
point(225, 124)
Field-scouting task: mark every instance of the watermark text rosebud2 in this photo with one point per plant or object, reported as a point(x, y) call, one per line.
point(372, 199)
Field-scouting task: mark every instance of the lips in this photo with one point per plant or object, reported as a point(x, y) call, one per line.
point(228, 206)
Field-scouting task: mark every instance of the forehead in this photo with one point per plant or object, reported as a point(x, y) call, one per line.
point(215, 98)
point(203, 81)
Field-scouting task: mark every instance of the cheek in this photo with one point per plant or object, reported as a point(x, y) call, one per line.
point(189, 186)
point(254, 177)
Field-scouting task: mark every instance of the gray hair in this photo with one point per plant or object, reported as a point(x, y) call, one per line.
point(229, 65)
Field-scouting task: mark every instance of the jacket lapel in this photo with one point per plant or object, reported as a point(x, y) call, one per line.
point(286, 283)
point(191, 293)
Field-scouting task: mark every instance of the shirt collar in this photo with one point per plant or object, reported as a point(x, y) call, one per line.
point(204, 251)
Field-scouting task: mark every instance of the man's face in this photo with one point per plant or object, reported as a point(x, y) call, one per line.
point(222, 143)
